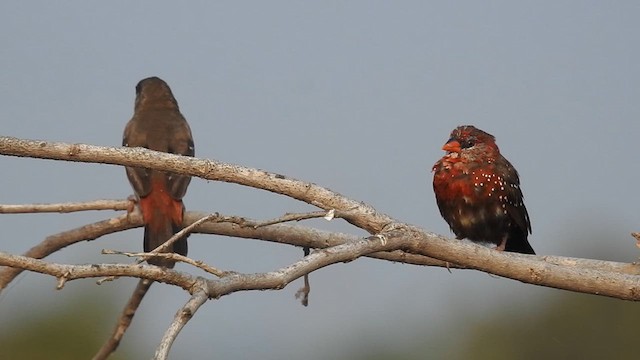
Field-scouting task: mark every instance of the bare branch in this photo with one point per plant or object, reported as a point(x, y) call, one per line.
point(181, 234)
point(58, 241)
point(236, 226)
point(278, 279)
point(360, 214)
point(124, 320)
point(280, 233)
point(172, 256)
point(284, 234)
point(232, 282)
point(72, 272)
point(525, 268)
point(66, 207)
point(528, 269)
point(328, 215)
point(315, 238)
point(144, 285)
point(183, 315)
point(392, 240)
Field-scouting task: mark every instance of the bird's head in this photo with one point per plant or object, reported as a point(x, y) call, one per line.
point(153, 92)
point(468, 138)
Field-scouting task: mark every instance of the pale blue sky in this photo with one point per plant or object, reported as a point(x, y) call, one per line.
point(357, 96)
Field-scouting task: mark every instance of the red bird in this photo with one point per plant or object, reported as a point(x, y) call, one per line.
point(157, 124)
point(478, 192)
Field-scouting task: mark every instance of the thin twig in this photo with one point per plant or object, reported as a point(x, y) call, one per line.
point(181, 234)
point(65, 207)
point(172, 256)
point(328, 215)
point(124, 320)
point(183, 315)
point(158, 251)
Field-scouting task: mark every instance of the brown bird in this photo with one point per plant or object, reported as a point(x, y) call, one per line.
point(478, 192)
point(157, 124)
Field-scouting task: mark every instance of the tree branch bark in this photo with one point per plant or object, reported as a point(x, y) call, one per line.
point(65, 207)
point(364, 216)
point(183, 315)
point(392, 240)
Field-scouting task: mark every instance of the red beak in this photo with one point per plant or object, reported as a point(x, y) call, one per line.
point(452, 146)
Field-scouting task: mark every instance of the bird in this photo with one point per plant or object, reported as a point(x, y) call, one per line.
point(157, 124)
point(478, 192)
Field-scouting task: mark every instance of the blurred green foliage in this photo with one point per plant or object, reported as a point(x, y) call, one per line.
point(75, 331)
point(571, 326)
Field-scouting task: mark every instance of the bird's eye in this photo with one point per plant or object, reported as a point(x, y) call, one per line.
point(467, 143)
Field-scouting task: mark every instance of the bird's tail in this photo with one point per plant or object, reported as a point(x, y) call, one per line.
point(161, 223)
point(519, 244)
